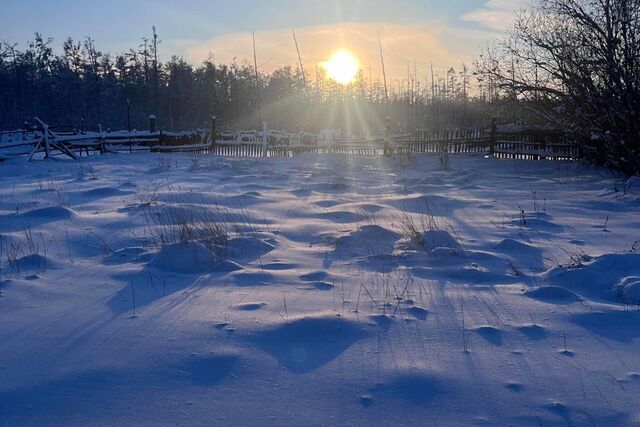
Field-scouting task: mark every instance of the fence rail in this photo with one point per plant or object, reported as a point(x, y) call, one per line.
point(526, 144)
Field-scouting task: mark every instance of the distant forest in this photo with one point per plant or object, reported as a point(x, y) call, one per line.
point(81, 87)
point(571, 65)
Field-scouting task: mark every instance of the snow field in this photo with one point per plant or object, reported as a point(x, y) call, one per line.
point(321, 290)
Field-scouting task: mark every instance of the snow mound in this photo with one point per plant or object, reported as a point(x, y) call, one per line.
point(533, 331)
point(248, 248)
point(631, 292)
point(129, 254)
point(190, 258)
point(521, 253)
point(599, 278)
point(51, 213)
point(511, 245)
point(306, 343)
point(627, 291)
point(552, 294)
point(369, 240)
point(251, 278)
point(443, 252)
point(418, 312)
point(490, 334)
point(328, 203)
point(538, 222)
point(29, 263)
point(104, 192)
point(432, 240)
point(314, 276)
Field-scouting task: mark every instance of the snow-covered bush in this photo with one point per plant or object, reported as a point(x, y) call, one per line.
point(421, 230)
point(205, 225)
point(577, 64)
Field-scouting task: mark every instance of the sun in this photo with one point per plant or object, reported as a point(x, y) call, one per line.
point(342, 67)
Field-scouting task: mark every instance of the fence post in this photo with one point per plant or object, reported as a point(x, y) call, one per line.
point(493, 137)
point(265, 139)
point(129, 125)
point(152, 124)
point(102, 142)
point(543, 147)
point(45, 135)
point(387, 134)
point(128, 116)
point(214, 136)
point(26, 130)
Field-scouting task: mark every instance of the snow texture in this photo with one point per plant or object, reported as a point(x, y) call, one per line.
point(287, 292)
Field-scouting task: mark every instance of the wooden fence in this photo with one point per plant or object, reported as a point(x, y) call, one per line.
point(523, 144)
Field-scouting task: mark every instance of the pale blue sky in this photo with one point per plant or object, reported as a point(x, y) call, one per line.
point(193, 28)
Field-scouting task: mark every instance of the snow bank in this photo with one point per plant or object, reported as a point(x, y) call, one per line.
point(609, 276)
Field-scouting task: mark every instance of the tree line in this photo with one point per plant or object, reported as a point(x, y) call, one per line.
point(80, 87)
point(571, 65)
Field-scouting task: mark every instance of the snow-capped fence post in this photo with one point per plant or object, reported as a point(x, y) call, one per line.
point(213, 134)
point(103, 147)
point(45, 135)
point(493, 136)
point(152, 124)
point(265, 139)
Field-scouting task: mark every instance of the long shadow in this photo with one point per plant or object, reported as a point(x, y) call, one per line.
point(309, 343)
point(97, 394)
point(180, 267)
point(415, 389)
point(623, 326)
point(148, 285)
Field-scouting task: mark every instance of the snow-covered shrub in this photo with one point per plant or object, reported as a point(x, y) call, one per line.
point(421, 230)
point(27, 253)
point(204, 224)
point(404, 160)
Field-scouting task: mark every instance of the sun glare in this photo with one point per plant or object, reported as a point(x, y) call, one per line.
point(342, 67)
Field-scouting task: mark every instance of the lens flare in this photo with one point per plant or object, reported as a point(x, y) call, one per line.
point(342, 67)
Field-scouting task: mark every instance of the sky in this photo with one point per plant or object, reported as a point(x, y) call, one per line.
point(413, 32)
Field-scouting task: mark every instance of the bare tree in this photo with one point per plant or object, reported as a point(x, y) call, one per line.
point(577, 63)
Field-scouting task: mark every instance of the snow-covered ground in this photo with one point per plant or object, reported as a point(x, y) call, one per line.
point(156, 289)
